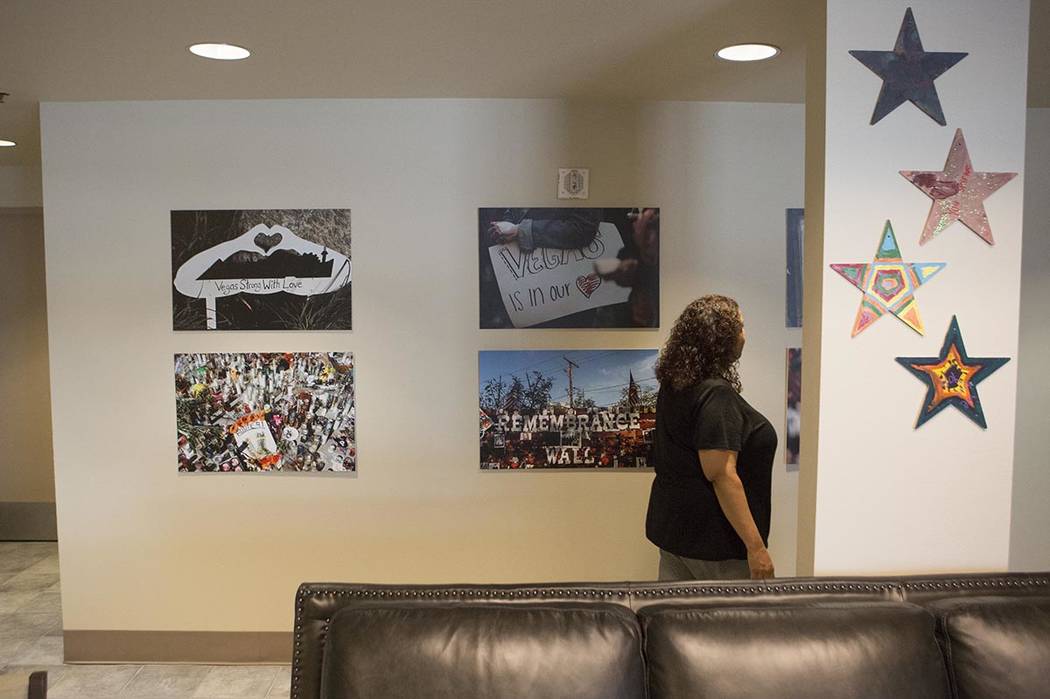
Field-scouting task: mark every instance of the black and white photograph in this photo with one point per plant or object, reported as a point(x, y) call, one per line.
point(793, 409)
point(283, 411)
point(569, 267)
point(265, 269)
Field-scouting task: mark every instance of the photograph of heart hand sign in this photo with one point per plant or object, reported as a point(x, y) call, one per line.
point(569, 267)
point(265, 269)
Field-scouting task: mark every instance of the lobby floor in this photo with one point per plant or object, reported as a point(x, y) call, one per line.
point(31, 639)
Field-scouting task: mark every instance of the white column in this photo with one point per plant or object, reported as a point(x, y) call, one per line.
point(882, 495)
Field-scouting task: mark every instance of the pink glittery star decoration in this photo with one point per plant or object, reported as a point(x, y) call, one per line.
point(958, 192)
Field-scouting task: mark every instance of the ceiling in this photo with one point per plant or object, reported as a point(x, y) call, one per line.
point(52, 50)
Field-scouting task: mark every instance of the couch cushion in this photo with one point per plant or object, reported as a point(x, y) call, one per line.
point(997, 646)
point(531, 650)
point(861, 651)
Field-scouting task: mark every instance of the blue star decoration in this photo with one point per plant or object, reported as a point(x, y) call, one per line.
point(951, 378)
point(908, 73)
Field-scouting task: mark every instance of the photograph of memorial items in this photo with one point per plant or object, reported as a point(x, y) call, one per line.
point(265, 269)
point(795, 228)
point(793, 413)
point(583, 409)
point(265, 412)
point(569, 268)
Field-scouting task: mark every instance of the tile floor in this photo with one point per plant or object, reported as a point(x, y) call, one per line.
point(31, 639)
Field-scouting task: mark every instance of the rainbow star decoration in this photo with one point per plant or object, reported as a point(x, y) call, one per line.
point(888, 284)
point(958, 192)
point(951, 378)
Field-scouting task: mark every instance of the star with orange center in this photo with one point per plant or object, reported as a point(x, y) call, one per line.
point(951, 378)
point(958, 193)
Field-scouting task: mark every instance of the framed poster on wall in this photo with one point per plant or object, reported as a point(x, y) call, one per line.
point(569, 267)
point(278, 411)
point(795, 232)
point(267, 269)
point(585, 409)
point(793, 408)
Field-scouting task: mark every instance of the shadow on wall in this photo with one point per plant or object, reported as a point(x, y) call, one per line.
point(27, 471)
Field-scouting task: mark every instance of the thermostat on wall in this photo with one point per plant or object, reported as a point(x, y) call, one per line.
point(573, 182)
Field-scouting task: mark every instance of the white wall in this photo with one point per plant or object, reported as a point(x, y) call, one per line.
point(145, 548)
point(891, 498)
point(19, 186)
point(1029, 543)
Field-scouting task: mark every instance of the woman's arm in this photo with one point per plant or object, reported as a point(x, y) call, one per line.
point(719, 467)
point(570, 232)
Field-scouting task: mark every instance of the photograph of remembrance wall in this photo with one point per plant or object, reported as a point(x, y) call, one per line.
point(548, 409)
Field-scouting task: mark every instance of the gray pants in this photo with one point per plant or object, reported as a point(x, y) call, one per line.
point(674, 568)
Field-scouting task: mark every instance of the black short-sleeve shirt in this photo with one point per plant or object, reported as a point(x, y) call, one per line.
point(684, 516)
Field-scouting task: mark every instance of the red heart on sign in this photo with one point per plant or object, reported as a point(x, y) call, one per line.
point(588, 283)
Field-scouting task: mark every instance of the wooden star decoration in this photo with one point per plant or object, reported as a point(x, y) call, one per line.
point(958, 193)
point(888, 284)
point(951, 378)
point(908, 72)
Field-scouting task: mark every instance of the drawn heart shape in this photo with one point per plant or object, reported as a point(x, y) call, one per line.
point(588, 283)
point(266, 241)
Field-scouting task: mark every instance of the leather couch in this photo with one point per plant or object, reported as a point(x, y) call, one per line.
point(972, 636)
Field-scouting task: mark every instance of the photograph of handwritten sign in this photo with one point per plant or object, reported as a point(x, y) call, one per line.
point(569, 267)
point(269, 269)
point(278, 411)
point(584, 409)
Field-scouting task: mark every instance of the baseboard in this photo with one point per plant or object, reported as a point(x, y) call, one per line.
point(211, 647)
point(28, 521)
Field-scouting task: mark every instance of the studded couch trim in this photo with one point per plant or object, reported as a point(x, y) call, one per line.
point(975, 583)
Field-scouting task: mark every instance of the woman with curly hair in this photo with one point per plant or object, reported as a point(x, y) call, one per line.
point(713, 453)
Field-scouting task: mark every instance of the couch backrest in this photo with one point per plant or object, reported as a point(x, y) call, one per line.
point(317, 604)
point(574, 651)
point(864, 650)
point(996, 646)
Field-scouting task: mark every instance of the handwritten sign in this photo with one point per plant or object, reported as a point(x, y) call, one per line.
point(264, 260)
point(548, 283)
point(252, 432)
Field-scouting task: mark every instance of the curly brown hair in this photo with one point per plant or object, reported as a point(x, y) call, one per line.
point(703, 344)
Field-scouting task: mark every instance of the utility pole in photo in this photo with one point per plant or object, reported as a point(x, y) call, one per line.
point(568, 370)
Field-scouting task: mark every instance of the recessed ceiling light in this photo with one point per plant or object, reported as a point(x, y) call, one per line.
point(220, 52)
point(7, 144)
point(747, 52)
